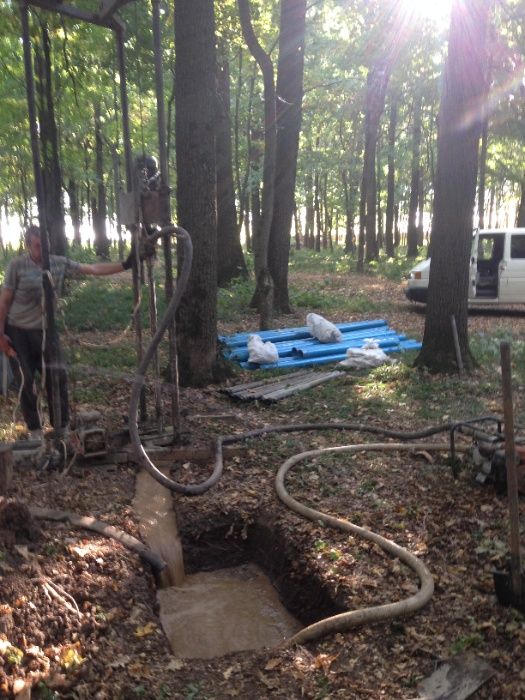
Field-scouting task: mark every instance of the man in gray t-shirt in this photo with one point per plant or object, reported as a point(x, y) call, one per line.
point(22, 320)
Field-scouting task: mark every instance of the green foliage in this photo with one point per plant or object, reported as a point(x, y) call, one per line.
point(486, 350)
point(395, 269)
point(233, 301)
point(193, 691)
point(45, 693)
point(466, 642)
point(88, 296)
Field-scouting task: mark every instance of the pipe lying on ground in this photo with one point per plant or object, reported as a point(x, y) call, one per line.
point(89, 523)
point(379, 613)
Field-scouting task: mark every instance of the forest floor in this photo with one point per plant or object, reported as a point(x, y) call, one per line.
point(78, 612)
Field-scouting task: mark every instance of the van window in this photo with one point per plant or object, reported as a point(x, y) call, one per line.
point(490, 247)
point(517, 246)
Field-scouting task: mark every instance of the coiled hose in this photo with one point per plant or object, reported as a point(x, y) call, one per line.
point(378, 613)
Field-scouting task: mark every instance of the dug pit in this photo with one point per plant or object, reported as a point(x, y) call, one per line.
point(241, 588)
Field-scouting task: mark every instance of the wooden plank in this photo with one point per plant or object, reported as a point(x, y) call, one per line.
point(456, 679)
point(283, 393)
point(290, 380)
point(276, 388)
point(261, 382)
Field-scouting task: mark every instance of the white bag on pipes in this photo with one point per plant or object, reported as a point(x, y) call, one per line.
point(261, 353)
point(370, 355)
point(323, 330)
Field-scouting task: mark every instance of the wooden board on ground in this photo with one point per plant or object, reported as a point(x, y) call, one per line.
point(456, 679)
point(277, 388)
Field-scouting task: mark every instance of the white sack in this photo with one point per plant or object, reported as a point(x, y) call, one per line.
point(370, 355)
point(261, 353)
point(323, 330)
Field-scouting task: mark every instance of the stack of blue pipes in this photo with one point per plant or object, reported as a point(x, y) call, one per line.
point(298, 348)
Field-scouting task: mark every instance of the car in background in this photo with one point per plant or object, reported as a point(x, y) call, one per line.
point(497, 269)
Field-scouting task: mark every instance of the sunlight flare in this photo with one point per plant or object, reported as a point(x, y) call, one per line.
point(437, 11)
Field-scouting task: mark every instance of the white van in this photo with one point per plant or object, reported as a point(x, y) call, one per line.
point(497, 269)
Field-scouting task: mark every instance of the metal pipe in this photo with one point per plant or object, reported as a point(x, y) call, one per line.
point(165, 214)
point(51, 331)
point(128, 157)
point(124, 106)
point(139, 380)
point(153, 329)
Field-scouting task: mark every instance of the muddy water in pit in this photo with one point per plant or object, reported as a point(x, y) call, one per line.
point(217, 612)
point(210, 613)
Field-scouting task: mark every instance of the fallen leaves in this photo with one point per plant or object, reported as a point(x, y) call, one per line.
point(145, 630)
point(70, 657)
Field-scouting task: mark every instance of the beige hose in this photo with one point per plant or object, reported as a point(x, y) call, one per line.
point(380, 613)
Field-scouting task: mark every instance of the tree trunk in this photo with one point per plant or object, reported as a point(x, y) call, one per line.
point(51, 172)
point(324, 213)
point(230, 262)
point(243, 187)
point(317, 211)
point(456, 176)
point(25, 199)
point(377, 82)
point(101, 241)
point(484, 148)
point(420, 211)
point(310, 213)
point(520, 219)
point(255, 209)
point(262, 297)
point(74, 210)
point(491, 204)
point(483, 172)
point(397, 233)
point(195, 71)
point(297, 227)
point(380, 242)
point(290, 69)
point(391, 177)
point(350, 202)
point(412, 232)
point(362, 225)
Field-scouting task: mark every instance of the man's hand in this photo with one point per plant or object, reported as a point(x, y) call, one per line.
point(5, 345)
point(128, 263)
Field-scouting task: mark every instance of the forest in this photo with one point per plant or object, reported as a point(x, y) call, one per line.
point(325, 132)
point(253, 162)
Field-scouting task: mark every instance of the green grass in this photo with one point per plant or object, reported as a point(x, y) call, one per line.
point(94, 305)
point(104, 304)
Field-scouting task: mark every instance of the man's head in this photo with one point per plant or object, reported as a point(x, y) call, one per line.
point(33, 243)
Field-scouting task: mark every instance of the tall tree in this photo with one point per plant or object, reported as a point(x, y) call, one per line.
point(415, 181)
point(51, 172)
point(460, 123)
point(391, 37)
point(263, 296)
point(290, 68)
point(195, 97)
point(99, 207)
point(230, 262)
point(391, 177)
point(520, 217)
